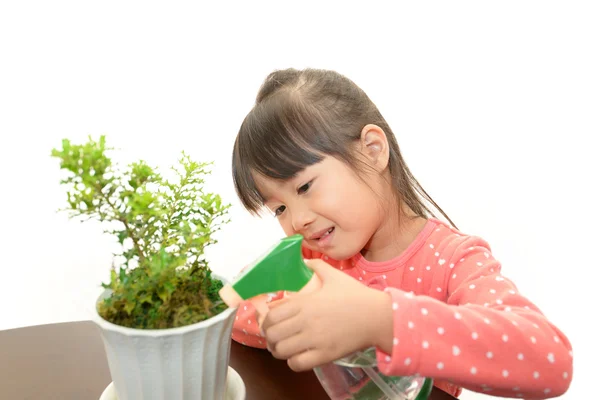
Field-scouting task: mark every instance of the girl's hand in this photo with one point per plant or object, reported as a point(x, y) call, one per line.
point(343, 316)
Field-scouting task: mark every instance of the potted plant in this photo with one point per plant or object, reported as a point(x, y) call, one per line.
point(166, 332)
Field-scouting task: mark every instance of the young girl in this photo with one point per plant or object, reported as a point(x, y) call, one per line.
point(318, 154)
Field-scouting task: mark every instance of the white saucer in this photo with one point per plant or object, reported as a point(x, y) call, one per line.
point(236, 390)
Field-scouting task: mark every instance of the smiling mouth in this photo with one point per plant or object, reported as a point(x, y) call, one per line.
point(327, 233)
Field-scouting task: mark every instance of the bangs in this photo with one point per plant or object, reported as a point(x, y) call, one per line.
point(279, 138)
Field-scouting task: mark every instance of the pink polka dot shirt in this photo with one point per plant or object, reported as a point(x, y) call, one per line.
point(456, 319)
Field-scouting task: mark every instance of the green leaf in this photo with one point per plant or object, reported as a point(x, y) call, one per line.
point(163, 227)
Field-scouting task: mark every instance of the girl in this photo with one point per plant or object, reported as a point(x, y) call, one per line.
point(318, 154)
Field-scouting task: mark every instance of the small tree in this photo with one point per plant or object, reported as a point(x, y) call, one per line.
point(161, 278)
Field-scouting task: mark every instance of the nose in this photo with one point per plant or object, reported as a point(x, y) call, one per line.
point(301, 219)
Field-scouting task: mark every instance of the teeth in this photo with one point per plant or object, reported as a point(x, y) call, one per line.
point(327, 233)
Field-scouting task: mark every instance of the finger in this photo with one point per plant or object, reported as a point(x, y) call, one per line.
point(281, 312)
point(290, 346)
point(276, 303)
point(322, 269)
point(307, 360)
point(284, 330)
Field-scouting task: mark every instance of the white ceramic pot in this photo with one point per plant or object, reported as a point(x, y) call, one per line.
point(184, 363)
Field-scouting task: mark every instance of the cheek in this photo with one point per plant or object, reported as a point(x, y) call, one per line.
point(286, 225)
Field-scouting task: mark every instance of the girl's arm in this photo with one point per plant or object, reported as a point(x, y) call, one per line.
point(488, 338)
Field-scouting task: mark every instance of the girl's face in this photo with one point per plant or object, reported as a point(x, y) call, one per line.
point(327, 203)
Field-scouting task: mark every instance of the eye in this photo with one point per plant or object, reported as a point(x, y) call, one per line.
point(304, 188)
point(279, 211)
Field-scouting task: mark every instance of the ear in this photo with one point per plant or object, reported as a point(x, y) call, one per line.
point(374, 146)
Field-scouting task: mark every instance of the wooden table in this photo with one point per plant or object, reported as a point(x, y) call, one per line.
point(67, 361)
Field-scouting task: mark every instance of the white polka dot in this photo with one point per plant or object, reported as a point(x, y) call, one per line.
point(419, 280)
point(388, 359)
point(487, 321)
point(428, 268)
point(412, 268)
point(556, 339)
point(245, 331)
point(565, 375)
point(260, 342)
point(507, 309)
point(473, 370)
point(360, 278)
point(245, 308)
point(461, 260)
point(533, 339)
point(505, 338)
point(516, 388)
point(454, 276)
point(457, 315)
point(440, 365)
point(474, 335)
point(439, 290)
point(249, 322)
point(437, 254)
point(471, 248)
point(527, 308)
point(512, 292)
point(514, 323)
point(486, 254)
point(489, 355)
point(424, 311)
point(394, 306)
point(536, 375)
point(409, 295)
point(499, 301)
point(505, 373)
point(536, 326)
point(546, 391)
point(472, 286)
point(440, 330)
point(431, 246)
point(441, 261)
point(244, 343)
point(551, 358)
point(479, 264)
point(499, 278)
point(492, 291)
point(520, 356)
point(364, 272)
point(425, 344)
point(486, 304)
point(451, 266)
point(411, 325)
point(455, 350)
point(437, 230)
point(395, 341)
point(384, 277)
point(236, 317)
point(407, 361)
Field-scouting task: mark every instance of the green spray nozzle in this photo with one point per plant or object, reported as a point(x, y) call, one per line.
point(281, 268)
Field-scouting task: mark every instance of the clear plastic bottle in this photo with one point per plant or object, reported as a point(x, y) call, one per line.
point(356, 377)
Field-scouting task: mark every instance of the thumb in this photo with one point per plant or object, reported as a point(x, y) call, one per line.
point(323, 270)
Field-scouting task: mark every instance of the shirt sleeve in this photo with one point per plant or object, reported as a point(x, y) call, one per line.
point(245, 327)
point(487, 337)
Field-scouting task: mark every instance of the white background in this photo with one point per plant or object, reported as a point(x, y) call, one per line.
point(495, 105)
